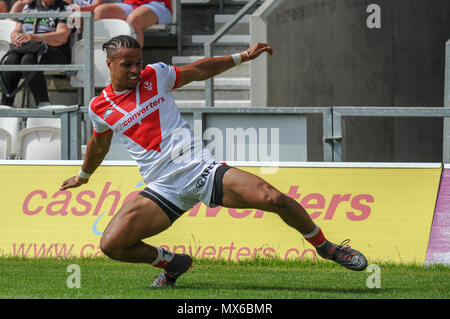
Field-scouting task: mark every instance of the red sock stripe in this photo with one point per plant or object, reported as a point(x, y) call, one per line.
point(317, 240)
point(162, 264)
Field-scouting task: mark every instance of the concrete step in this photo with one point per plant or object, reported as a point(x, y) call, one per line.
point(225, 88)
point(218, 94)
point(230, 90)
point(198, 50)
point(223, 83)
point(218, 103)
point(241, 27)
point(226, 40)
point(242, 70)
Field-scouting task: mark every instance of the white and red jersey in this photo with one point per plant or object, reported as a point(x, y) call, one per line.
point(145, 119)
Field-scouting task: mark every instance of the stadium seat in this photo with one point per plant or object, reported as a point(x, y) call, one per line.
point(7, 26)
point(4, 46)
point(10, 127)
point(40, 143)
point(109, 28)
point(104, 30)
point(5, 144)
point(41, 139)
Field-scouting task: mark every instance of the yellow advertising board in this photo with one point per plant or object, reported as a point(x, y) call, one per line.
point(386, 212)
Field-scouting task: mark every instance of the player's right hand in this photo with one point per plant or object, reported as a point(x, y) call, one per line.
point(72, 182)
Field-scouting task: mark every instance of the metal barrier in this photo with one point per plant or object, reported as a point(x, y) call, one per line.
point(199, 114)
point(88, 38)
point(331, 117)
point(340, 112)
point(70, 126)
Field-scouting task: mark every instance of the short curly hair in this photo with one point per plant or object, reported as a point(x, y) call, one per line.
point(120, 41)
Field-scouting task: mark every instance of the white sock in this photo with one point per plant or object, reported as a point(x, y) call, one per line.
point(163, 259)
point(313, 233)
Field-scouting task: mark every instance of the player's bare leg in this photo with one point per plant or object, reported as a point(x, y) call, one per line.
point(109, 11)
point(141, 18)
point(138, 219)
point(245, 190)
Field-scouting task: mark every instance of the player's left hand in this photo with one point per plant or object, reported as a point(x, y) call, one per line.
point(255, 50)
point(72, 182)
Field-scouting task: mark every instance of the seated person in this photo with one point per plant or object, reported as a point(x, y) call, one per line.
point(54, 32)
point(82, 5)
point(3, 7)
point(18, 6)
point(140, 14)
point(86, 5)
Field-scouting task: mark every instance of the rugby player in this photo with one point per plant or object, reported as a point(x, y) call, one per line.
point(138, 107)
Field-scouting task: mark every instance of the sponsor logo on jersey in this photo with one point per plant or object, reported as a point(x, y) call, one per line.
point(148, 85)
point(139, 113)
point(108, 112)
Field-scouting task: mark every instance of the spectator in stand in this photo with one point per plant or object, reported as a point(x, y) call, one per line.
point(18, 6)
point(83, 5)
point(140, 14)
point(3, 7)
point(54, 32)
point(86, 5)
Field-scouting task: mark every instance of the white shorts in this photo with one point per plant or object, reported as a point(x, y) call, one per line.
point(158, 7)
point(178, 191)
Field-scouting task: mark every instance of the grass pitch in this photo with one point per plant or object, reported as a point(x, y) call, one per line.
point(212, 279)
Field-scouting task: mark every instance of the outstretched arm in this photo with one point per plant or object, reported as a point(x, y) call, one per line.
point(96, 151)
point(206, 68)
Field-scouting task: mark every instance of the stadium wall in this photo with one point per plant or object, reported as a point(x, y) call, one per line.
point(327, 55)
point(385, 209)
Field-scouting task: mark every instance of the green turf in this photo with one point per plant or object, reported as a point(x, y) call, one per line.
point(269, 279)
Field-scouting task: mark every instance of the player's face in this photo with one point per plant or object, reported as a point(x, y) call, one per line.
point(125, 68)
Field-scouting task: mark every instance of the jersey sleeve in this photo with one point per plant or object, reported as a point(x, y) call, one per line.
point(98, 125)
point(170, 73)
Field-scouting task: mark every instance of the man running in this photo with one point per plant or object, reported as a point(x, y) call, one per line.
point(179, 173)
